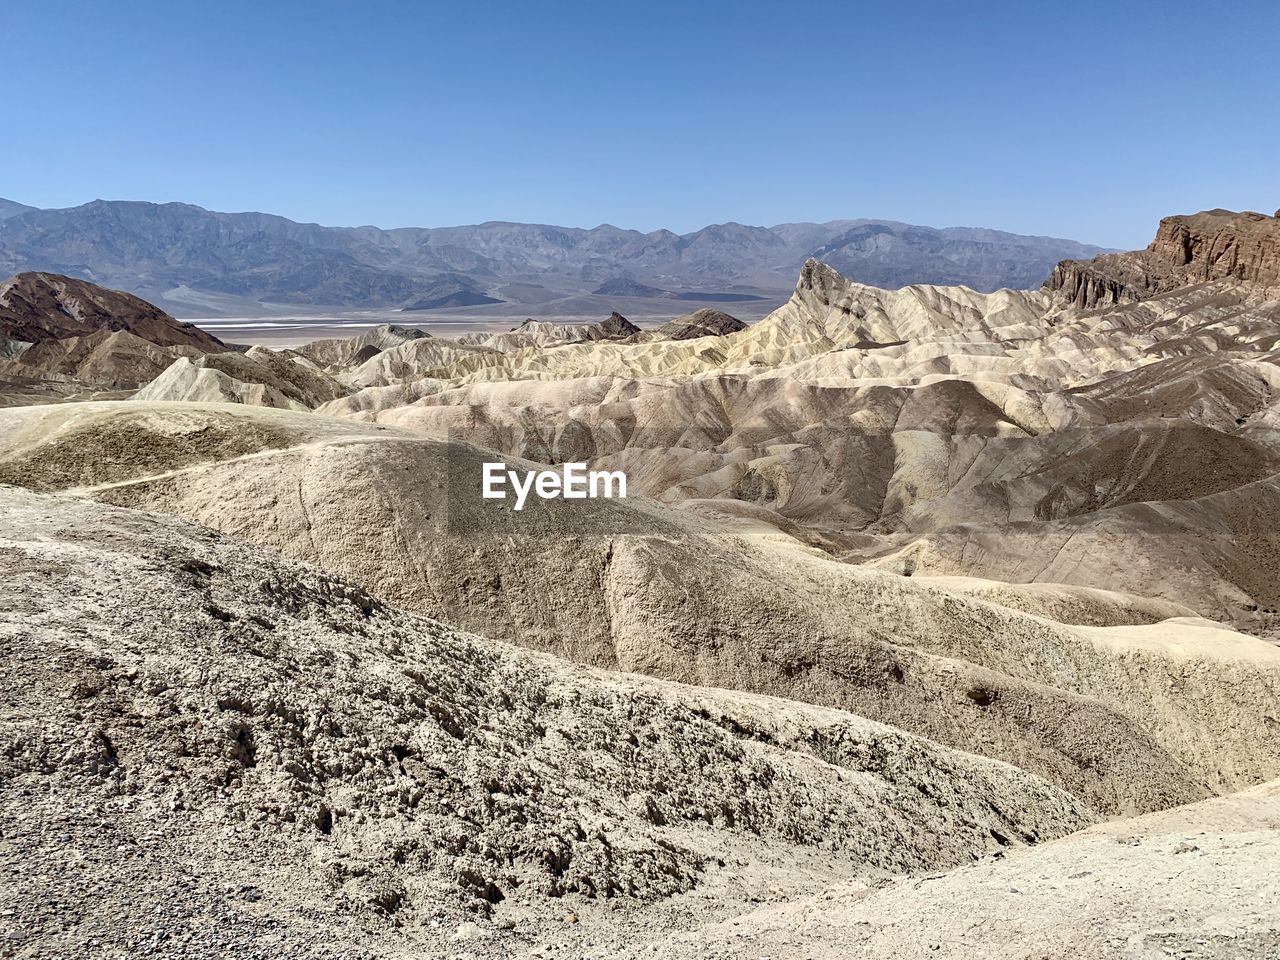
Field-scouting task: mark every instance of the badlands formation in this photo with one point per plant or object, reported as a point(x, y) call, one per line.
point(935, 623)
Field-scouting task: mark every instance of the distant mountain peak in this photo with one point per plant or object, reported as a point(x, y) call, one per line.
point(240, 260)
point(626, 287)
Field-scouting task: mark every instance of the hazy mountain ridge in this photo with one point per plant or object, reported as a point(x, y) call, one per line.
point(891, 255)
point(151, 249)
point(10, 209)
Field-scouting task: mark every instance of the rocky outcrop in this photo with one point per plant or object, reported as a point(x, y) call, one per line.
point(259, 377)
point(701, 323)
point(616, 327)
point(1215, 245)
point(59, 330)
point(344, 351)
point(543, 333)
point(112, 359)
point(35, 307)
point(1087, 283)
point(1219, 245)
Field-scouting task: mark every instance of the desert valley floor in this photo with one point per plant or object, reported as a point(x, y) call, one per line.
point(935, 623)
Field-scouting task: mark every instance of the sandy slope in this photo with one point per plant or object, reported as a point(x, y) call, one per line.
point(1194, 882)
point(211, 748)
point(1126, 720)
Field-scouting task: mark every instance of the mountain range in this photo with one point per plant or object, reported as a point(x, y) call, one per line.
point(193, 261)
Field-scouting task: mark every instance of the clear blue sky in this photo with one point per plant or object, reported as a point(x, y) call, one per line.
point(1086, 120)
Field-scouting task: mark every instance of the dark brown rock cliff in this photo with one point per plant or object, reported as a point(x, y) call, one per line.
point(1215, 245)
point(35, 307)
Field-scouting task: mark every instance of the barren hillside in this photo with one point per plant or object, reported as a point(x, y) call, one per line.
point(934, 622)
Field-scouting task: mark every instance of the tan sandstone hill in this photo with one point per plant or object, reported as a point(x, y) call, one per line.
point(336, 353)
point(260, 377)
point(629, 585)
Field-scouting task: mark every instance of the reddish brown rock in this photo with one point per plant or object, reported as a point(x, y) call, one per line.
point(1215, 245)
point(35, 307)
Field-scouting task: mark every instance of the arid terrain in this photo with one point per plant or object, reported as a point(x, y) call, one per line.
point(935, 623)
